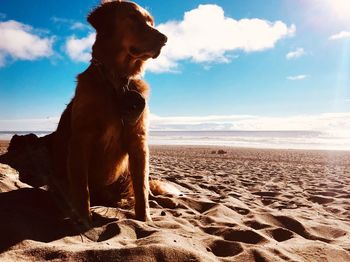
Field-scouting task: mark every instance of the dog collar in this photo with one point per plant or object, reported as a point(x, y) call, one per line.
point(107, 77)
point(131, 103)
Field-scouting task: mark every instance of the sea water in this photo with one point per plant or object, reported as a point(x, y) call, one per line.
point(251, 139)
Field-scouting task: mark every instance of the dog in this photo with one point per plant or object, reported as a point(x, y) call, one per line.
point(102, 134)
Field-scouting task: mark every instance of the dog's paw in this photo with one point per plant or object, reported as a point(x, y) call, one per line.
point(82, 220)
point(144, 217)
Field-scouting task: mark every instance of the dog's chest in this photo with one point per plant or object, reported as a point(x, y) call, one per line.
point(111, 137)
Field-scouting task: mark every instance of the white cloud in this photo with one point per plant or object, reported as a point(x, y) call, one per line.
point(79, 49)
point(72, 24)
point(296, 53)
point(335, 122)
point(21, 42)
point(340, 35)
point(206, 35)
point(298, 77)
point(56, 19)
point(78, 25)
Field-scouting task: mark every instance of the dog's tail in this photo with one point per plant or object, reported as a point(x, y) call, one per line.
point(158, 187)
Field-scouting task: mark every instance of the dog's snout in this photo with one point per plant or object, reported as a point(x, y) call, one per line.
point(162, 38)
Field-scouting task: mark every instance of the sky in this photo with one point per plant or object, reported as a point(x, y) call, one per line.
point(228, 64)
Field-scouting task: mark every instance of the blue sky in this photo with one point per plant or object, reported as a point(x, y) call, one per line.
point(271, 59)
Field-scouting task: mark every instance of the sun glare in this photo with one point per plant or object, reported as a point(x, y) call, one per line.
point(340, 8)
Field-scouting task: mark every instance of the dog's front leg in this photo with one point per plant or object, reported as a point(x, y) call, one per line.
point(78, 161)
point(139, 171)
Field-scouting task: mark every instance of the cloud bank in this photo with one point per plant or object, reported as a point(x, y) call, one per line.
point(21, 42)
point(36, 124)
point(206, 35)
point(333, 122)
point(322, 122)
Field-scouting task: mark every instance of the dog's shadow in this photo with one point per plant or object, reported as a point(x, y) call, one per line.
point(32, 214)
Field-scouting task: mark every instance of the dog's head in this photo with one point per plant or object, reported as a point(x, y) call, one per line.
point(125, 34)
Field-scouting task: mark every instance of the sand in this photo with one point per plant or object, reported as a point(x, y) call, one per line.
point(236, 205)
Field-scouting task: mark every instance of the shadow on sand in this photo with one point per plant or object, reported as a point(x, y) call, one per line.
point(34, 213)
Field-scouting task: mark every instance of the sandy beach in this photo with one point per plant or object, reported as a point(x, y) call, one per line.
point(235, 205)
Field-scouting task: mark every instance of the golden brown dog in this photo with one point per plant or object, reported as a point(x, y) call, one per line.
point(99, 136)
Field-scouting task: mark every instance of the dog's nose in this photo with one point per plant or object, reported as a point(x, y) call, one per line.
point(163, 38)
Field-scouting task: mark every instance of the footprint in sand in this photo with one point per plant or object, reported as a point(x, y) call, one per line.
point(256, 224)
point(244, 236)
point(238, 235)
point(240, 210)
point(321, 200)
point(223, 248)
point(298, 228)
point(281, 234)
point(109, 232)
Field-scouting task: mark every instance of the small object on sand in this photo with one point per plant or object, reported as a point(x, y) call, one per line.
point(31, 157)
point(222, 152)
point(162, 213)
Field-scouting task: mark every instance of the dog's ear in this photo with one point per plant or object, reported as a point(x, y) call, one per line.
point(97, 18)
point(101, 16)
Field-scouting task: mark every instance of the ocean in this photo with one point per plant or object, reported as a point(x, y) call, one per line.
point(250, 139)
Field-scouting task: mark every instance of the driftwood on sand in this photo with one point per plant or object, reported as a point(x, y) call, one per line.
point(31, 157)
